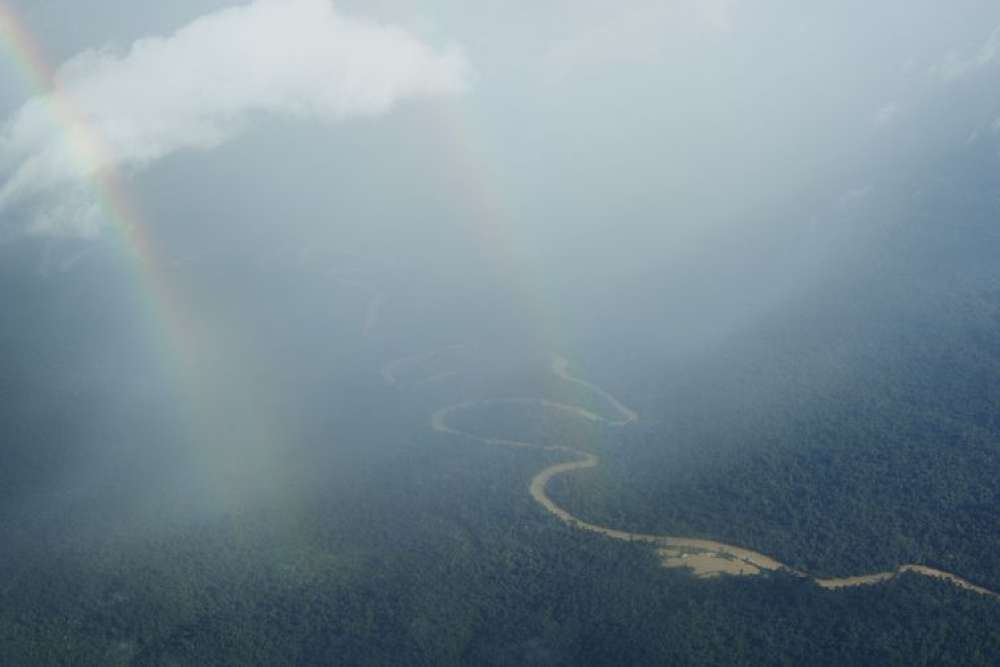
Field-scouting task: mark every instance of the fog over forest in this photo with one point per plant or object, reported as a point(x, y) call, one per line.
point(278, 275)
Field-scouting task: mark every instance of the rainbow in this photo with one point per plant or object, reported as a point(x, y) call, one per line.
point(478, 191)
point(226, 455)
point(95, 162)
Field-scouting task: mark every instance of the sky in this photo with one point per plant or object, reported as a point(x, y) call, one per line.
point(565, 145)
point(658, 102)
point(682, 67)
point(723, 150)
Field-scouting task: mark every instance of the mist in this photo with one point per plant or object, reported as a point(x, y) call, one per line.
point(740, 222)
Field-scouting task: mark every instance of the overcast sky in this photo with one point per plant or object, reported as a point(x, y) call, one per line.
point(569, 126)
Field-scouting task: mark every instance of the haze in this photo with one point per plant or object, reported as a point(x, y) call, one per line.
point(248, 249)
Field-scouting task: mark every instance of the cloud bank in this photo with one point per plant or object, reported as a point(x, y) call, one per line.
point(199, 88)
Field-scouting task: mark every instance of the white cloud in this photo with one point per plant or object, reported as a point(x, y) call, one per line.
point(956, 67)
point(200, 87)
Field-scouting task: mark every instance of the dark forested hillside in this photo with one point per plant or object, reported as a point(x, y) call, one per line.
point(386, 542)
point(853, 427)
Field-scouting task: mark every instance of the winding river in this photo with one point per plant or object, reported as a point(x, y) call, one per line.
point(705, 558)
